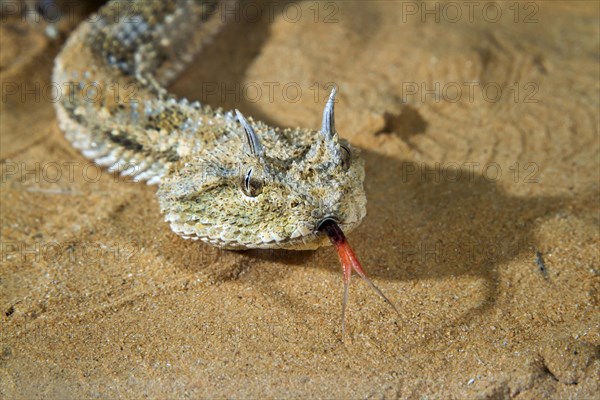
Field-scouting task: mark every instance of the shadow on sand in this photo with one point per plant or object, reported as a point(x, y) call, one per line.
point(423, 222)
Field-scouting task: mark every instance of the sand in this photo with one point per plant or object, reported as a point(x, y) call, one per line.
point(480, 135)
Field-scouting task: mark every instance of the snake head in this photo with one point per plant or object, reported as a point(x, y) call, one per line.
point(264, 187)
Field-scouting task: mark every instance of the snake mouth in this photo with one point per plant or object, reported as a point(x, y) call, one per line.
point(323, 225)
point(331, 227)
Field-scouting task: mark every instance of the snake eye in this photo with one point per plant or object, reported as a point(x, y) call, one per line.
point(252, 182)
point(346, 157)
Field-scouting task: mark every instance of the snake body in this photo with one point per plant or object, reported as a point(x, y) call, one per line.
point(232, 182)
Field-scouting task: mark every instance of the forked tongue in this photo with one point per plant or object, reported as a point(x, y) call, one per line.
point(349, 262)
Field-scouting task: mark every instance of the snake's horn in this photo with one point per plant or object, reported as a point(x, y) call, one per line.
point(256, 148)
point(328, 125)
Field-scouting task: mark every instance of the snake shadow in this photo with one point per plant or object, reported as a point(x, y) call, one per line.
point(217, 76)
point(429, 223)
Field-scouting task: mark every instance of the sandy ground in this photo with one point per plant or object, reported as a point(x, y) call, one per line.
point(480, 135)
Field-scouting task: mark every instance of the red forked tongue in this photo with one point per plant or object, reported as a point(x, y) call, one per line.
point(349, 262)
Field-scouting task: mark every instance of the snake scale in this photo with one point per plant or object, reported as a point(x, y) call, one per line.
point(227, 180)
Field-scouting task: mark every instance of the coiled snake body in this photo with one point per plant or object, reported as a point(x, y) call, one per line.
point(232, 182)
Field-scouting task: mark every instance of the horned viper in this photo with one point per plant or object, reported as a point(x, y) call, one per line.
point(227, 180)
